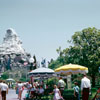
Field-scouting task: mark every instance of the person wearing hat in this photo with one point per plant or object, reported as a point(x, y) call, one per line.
point(85, 87)
point(76, 91)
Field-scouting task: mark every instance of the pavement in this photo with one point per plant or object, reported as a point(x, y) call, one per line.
point(11, 95)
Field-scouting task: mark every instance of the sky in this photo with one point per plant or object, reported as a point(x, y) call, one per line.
point(44, 25)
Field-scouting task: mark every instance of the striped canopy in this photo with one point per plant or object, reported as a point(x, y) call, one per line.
point(42, 72)
point(71, 69)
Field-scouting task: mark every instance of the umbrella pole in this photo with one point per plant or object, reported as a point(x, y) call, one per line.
point(69, 81)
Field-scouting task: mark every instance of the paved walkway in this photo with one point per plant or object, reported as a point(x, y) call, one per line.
point(11, 95)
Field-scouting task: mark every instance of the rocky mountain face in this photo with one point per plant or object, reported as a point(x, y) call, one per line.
point(11, 43)
point(13, 57)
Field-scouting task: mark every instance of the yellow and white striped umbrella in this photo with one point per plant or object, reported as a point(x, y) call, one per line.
point(71, 69)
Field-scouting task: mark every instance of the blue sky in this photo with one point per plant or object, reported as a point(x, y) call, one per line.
point(44, 25)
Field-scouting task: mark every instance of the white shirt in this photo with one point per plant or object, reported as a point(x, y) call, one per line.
point(33, 89)
point(20, 85)
point(29, 86)
point(85, 83)
point(41, 90)
point(3, 87)
point(61, 83)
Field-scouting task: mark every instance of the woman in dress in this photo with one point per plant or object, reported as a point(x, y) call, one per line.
point(20, 89)
point(57, 94)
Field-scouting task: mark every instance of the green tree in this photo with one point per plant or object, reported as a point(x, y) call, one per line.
point(86, 50)
point(59, 51)
point(5, 76)
point(56, 63)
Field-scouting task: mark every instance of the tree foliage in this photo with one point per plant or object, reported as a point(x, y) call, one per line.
point(85, 50)
point(4, 76)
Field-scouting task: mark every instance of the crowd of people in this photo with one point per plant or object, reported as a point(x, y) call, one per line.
point(36, 90)
point(27, 91)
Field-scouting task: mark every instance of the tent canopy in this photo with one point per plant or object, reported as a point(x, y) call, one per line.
point(42, 72)
point(71, 69)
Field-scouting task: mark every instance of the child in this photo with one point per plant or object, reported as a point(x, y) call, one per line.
point(57, 94)
point(76, 91)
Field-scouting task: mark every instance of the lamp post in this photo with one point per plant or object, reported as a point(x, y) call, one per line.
point(26, 70)
point(31, 61)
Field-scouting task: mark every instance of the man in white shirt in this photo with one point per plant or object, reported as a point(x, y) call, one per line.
point(85, 87)
point(3, 90)
point(61, 85)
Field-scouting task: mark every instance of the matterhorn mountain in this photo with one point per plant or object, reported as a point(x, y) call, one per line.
point(11, 43)
point(13, 58)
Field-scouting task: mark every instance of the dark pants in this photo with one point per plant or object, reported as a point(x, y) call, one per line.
point(3, 94)
point(61, 90)
point(40, 96)
point(85, 95)
point(77, 96)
